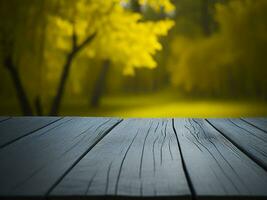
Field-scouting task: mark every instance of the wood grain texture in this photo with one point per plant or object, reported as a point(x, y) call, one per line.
point(248, 138)
point(260, 123)
point(2, 118)
point(32, 165)
point(217, 169)
point(138, 158)
point(17, 127)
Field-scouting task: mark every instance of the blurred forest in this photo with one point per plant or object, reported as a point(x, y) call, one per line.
point(156, 58)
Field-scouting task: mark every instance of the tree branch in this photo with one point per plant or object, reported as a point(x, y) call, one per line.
point(74, 37)
point(85, 42)
point(20, 90)
point(65, 73)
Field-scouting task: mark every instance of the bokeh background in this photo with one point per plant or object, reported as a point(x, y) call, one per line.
point(133, 58)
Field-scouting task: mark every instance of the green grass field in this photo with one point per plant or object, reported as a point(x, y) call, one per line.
point(154, 105)
point(159, 105)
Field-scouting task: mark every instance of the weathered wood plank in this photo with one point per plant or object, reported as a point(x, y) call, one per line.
point(260, 123)
point(138, 158)
point(249, 139)
point(2, 118)
point(217, 168)
point(32, 165)
point(17, 127)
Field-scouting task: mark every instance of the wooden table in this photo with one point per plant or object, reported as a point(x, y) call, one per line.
point(83, 157)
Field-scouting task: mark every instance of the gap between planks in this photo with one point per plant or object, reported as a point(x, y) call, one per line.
point(122, 164)
point(189, 181)
point(254, 125)
point(78, 160)
point(2, 119)
point(40, 169)
point(183, 162)
point(26, 134)
point(200, 150)
point(240, 146)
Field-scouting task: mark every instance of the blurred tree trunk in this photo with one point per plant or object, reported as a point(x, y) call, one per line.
point(135, 6)
point(41, 45)
point(60, 91)
point(99, 85)
point(38, 106)
point(205, 17)
point(76, 48)
point(20, 91)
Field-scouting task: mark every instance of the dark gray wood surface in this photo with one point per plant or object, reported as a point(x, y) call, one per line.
point(2, 118)
point(17, 127)
point(103, 158)
point(215, 166)
point(248, 138)
point(260, 123)
point(139, 157)
point(32, 165)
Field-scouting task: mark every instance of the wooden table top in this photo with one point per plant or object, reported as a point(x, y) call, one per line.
point(105, 158)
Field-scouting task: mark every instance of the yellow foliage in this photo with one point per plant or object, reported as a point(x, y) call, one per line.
point(200, 63)
point(128, 42)
point(233, 59)
point(121, 35)
point(159, 4)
